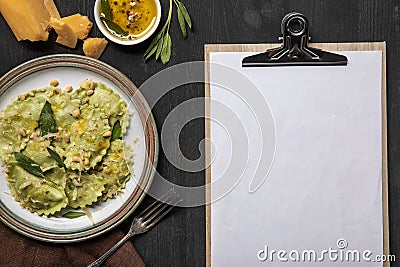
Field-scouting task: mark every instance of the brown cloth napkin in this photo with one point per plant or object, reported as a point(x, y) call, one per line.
point(17, 250)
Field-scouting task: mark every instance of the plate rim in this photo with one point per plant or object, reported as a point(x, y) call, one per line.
point(150, 133)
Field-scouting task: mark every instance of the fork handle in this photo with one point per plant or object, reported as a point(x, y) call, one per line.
point(111, 251)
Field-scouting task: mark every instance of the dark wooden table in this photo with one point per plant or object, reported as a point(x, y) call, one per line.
point(179, 240)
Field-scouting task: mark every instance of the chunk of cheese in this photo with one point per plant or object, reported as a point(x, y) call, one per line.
point(39, 13)
point(94, 47)
point(66, 36)
point(52, 9)
point(81, 25)
point(27, 19)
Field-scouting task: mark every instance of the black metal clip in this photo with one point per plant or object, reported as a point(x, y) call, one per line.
point(295, 50)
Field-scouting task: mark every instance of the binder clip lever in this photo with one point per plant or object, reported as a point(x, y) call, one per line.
point(295, 50)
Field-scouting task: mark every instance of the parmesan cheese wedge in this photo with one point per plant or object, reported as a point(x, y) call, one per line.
point(52, 9)
point(81, 25)
point(94, 47)
point(39, 13)
point(29, 20)
point(66, 36)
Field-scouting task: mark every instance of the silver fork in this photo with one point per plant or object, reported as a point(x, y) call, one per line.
point(144, 222)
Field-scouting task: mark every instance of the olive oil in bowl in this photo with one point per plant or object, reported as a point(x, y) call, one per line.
point(127, 21)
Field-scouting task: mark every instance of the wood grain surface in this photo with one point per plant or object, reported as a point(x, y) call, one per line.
point(179, 240)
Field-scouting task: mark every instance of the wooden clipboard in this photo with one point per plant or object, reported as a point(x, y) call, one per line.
point(370, 46)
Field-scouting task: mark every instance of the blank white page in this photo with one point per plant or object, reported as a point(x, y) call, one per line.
point(325, 182)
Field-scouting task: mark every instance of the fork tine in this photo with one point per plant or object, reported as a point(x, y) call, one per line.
point(160, 213)
point(156, 210)
point(156, 220)
point(164, 198)
point(170, 201)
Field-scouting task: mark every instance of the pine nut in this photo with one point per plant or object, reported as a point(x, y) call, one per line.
point(66, 138)
point(53, 83)
point(22, 132)
point(76, 112)
point(68, 89)
point(107, 134)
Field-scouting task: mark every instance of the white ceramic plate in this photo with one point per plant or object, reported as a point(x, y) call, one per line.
point(141, 136)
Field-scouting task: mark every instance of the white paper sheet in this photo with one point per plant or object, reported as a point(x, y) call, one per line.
point(325, 180)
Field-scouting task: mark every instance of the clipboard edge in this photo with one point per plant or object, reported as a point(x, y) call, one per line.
point(385, 182)
point(207, 135)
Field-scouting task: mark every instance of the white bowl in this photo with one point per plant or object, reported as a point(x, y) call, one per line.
point(117, 40)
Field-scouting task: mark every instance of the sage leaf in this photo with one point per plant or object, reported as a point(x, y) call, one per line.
point(116, 131)
point(56, 157)
point(47, 124)
point(159, 47)
point(181, 21)
point(150, 53)
point(105, 8)
point(153, 44)
point(114, 27)
point(73, 214)
point(185, 14)
point(28, 164)
point(166, 51)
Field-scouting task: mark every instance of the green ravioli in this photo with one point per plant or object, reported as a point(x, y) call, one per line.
point(84, 166)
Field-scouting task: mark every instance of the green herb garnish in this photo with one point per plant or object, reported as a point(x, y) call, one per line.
point(182, 23)
point(183, 17)
point(116, 131)
point(166, 48)
point(29, 165)
point(106, 10)
point(73, 214)
point(56, 157)
point(162, 43)
point(47, 124)
point(114, 27)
